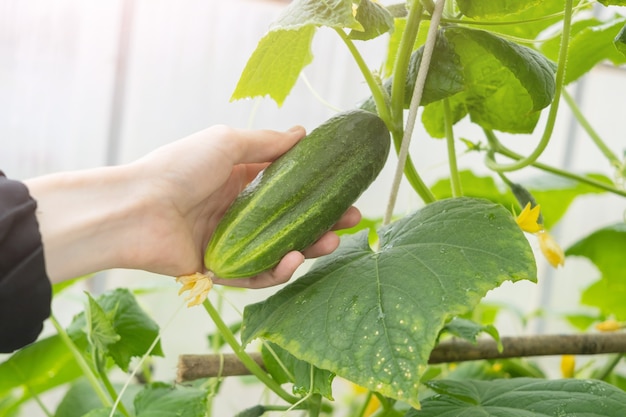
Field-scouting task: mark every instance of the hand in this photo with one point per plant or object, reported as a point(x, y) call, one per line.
point(194, 180)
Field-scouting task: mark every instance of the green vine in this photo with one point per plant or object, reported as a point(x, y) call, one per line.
point(560, 79)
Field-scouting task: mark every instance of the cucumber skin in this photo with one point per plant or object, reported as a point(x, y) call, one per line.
point(300, 196)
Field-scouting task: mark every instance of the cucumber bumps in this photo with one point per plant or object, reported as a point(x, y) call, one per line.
point(300, 196)
point(295, 200)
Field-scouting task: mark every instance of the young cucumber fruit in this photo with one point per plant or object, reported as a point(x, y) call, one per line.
point(300, 196)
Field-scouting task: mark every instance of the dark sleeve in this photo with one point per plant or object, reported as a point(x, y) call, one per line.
point(25, 290)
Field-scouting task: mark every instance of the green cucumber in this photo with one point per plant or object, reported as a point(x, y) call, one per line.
point(300, 196)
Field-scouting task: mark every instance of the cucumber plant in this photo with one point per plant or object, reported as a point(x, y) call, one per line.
point(373, 311)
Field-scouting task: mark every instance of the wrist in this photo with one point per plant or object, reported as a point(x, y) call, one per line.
point(87, 219)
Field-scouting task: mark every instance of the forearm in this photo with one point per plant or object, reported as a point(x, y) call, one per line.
point(86, 218)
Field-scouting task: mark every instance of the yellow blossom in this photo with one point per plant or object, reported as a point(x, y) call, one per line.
point(527, 219)
point(609, 325)
point(372, 405)
point(198, 286)
point(551, 250)
point(568, 365)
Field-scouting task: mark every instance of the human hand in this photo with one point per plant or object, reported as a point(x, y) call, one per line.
point(191, 183)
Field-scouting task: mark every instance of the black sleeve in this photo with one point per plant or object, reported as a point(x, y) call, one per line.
point(25, 290)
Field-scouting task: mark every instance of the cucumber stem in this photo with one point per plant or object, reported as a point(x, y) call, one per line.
point(415, 102)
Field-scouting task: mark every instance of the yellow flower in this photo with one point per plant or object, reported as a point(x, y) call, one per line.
point(551, 250)
point(609, 325)
point(568, 365)
point(198, 286)
point(527, 219)
point(372, 405)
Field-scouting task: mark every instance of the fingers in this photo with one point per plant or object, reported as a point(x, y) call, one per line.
point(350, 218)
point(279, 275)
point(257, 146)
point(290, 262)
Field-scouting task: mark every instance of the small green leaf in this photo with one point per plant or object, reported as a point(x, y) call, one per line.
point(374, 317)
point(620, 41)
point(506, 84)
point(605, 248)
point(136, 329)
point(523, 397)
point(331, 13)
point(276, 63)
point(493, 8)
point(433, 116)
point(80, 399)
point(375, 20)
point(100, 329)
point(470, 330)
point(284, 367)
point(163, 400)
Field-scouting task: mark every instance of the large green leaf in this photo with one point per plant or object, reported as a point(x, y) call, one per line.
point(493, 8)
point(285, 50)
point(605, 248)
point(38, 367)
point(592, 42)
point(527, 23)
point(523, 397)
point(444, 78)
point(613, 2)
point(506, 84)
point(373, 317)
point(330, 13)
point(136, 329)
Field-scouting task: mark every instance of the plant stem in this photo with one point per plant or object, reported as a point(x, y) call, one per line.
point(82, 363)
point(416, 98)
point(377, 91)
point(99, 364)
point(595, 137)
point(315, 405)
point(497, 147)
point(560, 79)
point(401, 65)
point(455, 179)
point(241, 354)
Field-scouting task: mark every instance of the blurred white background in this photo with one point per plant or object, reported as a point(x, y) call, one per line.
point(92, 83)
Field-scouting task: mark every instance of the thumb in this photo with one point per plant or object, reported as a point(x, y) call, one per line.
point(255, 146)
